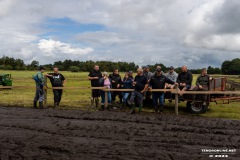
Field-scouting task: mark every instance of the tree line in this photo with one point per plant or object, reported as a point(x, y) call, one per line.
point(8, 63)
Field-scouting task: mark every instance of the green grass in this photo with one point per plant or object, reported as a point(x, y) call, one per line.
point(80, 99)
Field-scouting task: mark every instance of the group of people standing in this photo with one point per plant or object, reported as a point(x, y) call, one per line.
point(143, 81)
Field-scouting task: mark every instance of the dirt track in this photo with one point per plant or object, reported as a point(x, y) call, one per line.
point(64, 134)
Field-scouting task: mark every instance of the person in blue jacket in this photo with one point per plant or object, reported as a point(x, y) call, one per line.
point(127, 83)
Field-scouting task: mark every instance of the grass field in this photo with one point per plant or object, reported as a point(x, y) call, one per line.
point(80, 99)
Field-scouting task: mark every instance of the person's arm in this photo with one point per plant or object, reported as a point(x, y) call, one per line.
point(198, 81)
point(91, 77)
point(169, 80)
point(210, 78)
point(146, 85)
point(48, 75)
point(145, 88)
point(175, 77)
point(64, 82)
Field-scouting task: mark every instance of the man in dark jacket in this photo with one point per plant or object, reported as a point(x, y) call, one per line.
point(140, 84)
point(116, 84)
point(57, 80)
point(94, 77)
point(184, 80)
point(158, 81)
point(202, 83)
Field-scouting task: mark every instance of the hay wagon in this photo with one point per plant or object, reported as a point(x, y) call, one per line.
point(217, 84)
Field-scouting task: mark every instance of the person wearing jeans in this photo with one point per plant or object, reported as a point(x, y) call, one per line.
point(127, 83)
point(39, 95)
point(105, 82)
point(158, 81)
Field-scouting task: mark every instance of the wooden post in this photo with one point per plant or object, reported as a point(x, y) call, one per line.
point(106, 99)
point(176, 101)
point(45, 92)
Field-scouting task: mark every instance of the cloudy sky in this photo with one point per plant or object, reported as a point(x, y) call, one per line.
point(197, 33)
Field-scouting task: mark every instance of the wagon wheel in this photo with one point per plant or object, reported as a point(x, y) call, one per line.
point(197, 107)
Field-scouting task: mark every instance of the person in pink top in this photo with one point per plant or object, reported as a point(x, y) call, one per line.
point(105, 81)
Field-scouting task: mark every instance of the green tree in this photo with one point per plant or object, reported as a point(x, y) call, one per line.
point(74, 69)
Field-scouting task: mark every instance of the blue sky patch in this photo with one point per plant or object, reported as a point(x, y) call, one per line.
point(63, 28)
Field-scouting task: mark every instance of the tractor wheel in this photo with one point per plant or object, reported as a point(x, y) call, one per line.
point(196, 108)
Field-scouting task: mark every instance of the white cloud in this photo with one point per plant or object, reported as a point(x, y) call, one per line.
point(52, 48)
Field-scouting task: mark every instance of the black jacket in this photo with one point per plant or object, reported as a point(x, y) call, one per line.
point(158, 82)
point(116, 78)
point(185, 77)
point(95, 82)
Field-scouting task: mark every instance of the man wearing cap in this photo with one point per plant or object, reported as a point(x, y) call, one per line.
point(39, 95)
point(147, 73)
point(172, 75)
point(158, 81)
point(140, 84)
point(158, 67)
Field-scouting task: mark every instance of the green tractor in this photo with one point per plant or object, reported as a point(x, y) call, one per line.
point(5, 80)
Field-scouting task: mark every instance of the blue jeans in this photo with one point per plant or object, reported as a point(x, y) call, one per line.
point(156, 97)
point(103, 97)
point(39, 95)
point(125, 96)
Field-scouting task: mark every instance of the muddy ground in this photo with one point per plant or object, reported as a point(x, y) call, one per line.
point(70, 134)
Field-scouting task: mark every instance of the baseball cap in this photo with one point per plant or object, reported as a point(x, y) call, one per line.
point(171, 67)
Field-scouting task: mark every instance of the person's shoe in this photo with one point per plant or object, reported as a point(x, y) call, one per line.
point(170, 100)
point(180, 97)
point(129, 103)
point(123, 106)
point(140, 109)
point(102, 107)
point(35, 104)
point(156, 109)
point(96, 102)
point(41, 105)
point(132, 112)
point(204, 103)
point(193, 102)
point(55, 105)
point(92, 102)
point(161, 109)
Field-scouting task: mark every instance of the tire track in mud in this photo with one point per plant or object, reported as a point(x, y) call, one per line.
point(71, 134)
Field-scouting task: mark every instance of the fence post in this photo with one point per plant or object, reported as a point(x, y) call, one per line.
point(45, 92)
point(106, 99)
point(176, 101)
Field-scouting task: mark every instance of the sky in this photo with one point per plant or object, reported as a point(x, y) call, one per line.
point(196, 33)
